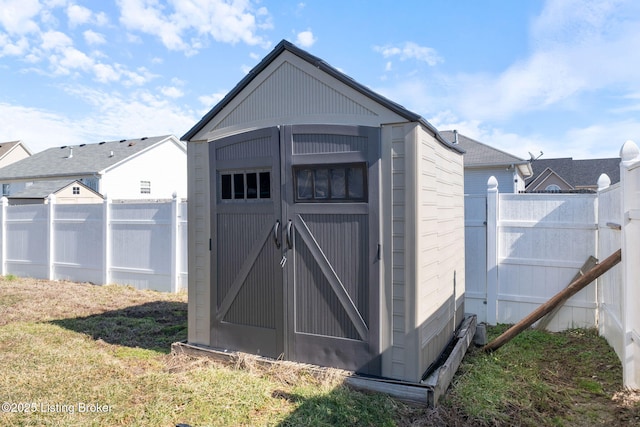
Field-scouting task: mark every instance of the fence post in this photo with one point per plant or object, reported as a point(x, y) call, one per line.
point(4, 202)
point(492, 250)
point(51, 201)
point(630, 155)
point(106, 244)
point(175, 243)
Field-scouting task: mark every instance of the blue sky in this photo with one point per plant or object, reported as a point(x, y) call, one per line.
point(557, 76)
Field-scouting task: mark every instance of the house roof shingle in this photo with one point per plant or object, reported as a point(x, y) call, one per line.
point(578, 173)
point(479, 154)
point(42, 189)
point(86, 159)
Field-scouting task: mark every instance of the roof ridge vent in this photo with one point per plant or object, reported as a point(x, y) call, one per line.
point(143, 138)
point(122, 140)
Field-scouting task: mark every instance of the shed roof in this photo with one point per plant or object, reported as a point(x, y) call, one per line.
point(42, 189)
point(76, 160)
point(577, 173)
point(325, 67)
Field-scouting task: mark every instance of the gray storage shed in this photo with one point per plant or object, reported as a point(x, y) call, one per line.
point(325, 223)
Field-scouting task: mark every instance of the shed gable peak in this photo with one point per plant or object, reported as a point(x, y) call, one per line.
point(291, 91)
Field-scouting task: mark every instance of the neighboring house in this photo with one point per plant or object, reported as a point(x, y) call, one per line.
point(566, 174)
point(482, 161)
point(11, 152)
point(144, 168)
point(65, 192)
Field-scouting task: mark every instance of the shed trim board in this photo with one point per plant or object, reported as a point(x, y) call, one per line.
point(372, 281)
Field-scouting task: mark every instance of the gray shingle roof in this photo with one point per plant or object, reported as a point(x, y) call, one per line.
point(578, 173)
point(86, 159)
point(41, 189)
point(479, 154)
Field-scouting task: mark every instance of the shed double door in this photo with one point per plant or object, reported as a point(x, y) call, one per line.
point(295, 253)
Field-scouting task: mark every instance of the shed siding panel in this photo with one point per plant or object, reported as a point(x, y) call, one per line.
point(440, 274)
point(398, 169)
point(287, 92)
point(199, 233)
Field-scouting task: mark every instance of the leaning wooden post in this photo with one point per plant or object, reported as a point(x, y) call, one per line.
point(557, 299)
point(492, 250)
point(629, 177)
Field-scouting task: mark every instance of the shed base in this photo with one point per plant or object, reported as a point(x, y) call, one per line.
point(426, 393)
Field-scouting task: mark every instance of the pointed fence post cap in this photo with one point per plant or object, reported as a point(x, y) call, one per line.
point(629, 151)
point(492, 184)
point(603, 182)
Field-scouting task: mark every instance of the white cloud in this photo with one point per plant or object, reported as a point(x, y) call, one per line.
point(410, 50)
point(579, 47)
point(109, 115)
point(78, 15)
point(305, 39)
point(208, 101)
point(190, 22)
point(171, 92)
point(93, 38)
point(38, 129)
point(17, 16)
point(55, 40)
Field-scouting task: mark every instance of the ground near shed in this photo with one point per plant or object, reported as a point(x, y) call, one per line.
point(78, 354)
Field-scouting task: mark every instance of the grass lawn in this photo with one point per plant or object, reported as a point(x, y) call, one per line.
point(77, 354)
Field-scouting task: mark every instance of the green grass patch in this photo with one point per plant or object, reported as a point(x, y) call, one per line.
point(79, 343)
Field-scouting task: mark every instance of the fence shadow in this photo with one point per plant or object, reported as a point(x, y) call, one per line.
point(153, 325)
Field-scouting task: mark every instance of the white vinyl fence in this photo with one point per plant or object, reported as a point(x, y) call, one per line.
point(139, 244)
point(536, 243)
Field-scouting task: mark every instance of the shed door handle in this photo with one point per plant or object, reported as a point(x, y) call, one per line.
point(276, 228)
point(289, 236)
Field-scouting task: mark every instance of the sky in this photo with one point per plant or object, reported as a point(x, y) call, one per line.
point(559, 77)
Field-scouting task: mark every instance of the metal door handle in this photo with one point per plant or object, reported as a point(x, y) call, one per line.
point(276, 228)
point(289, 236)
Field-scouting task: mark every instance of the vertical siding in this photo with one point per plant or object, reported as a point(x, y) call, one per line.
point(399, 327)
point(199, 233)
point(290, 91)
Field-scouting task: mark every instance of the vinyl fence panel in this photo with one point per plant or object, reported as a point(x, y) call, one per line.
point(610, 284)
point(543, 240)
point(138, 244)
point(475, 238)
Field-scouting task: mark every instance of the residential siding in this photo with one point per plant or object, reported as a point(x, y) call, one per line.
point(199, 306)
point(18, 153)
point(123, 181)
point(475, 180)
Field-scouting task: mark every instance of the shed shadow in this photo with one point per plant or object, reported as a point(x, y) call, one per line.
point(339, 407)
point(153, 325)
